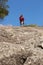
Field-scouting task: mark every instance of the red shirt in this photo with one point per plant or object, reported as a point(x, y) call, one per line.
point(21, 18)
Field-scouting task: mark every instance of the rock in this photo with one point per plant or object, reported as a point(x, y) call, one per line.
point(34, 60)
point(21, 45)
point(40, 45)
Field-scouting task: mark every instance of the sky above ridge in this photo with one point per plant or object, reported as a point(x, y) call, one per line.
point(32, 11)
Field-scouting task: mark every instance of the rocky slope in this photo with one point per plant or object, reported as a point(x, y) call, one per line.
point(21, 45)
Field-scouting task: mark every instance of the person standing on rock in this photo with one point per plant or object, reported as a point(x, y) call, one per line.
point(21, 18)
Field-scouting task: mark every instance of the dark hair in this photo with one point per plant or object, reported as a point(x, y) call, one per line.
point(21, 15)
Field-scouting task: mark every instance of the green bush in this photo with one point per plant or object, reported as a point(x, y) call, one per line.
point(31, 25)
point(3, 12)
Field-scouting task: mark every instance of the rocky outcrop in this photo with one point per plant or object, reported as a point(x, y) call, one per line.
point(21, 45)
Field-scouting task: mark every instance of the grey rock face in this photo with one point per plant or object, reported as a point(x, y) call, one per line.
point(21, 45)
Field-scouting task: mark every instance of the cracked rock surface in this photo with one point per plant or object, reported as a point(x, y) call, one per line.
point(21, 45)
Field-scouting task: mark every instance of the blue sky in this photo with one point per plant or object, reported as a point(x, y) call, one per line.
point(31, 9)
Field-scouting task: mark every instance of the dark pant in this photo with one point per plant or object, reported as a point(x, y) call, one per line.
point(21, 22)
